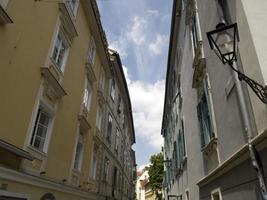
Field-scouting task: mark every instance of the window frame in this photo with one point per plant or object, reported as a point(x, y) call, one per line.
point(112, 89)
point(206, 137)
point(87, 97)
point(73, 7)
point(80, 157)
point(106, 169)
point(99, 117)
point(109, 127)
point(45, 110)
point(91, 56)
point(64, 40)
point(117, 139)
point(216, 191)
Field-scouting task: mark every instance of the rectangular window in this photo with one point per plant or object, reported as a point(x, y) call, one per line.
point(40, 131)
point(87, 95)
point(106, 169)
point(99, 118)
point(94, 165)
point(181, 145)
point(60, 51)
point(92, 51)
point(112, 90)
point(205, 117)
point(117, 140)
point(216, 195)
point(73, 4)
point(78, 154)
point(109, 131)
point(102, 79)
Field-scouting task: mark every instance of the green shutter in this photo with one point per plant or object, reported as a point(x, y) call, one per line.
point(207, 94)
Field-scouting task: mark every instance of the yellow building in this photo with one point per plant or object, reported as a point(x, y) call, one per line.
point(54, 72)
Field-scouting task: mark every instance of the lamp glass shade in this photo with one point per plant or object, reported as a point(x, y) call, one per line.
point(223, 40)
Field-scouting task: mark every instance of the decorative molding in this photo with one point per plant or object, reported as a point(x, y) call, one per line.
point(190, 9)
point(199, 65)
point(210, 147)
point(90, 72)
point(15, 150)
point(4, 17)
point(84, 124)
point(68, 20)
point(101, 97)
point(52, 88)
point(23, 178)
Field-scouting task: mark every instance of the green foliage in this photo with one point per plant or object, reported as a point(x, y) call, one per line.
point(156, 171)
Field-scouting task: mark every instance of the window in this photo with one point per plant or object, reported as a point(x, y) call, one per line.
point(78, 154)
point(115, 174)
point(205, 117)
point(181, 145)
point(40, 132)
point(106, 169)
point(102, 79)
point(94, 164)
point(117, 140)
point(216, 194)
point(99, 118)
point(92, 51)
point(112, 90)
point(109, 127)
point(87, 94)
point(73, 4)
point(60, 51)
point(187, 195)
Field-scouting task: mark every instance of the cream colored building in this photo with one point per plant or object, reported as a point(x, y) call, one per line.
point(54, 77)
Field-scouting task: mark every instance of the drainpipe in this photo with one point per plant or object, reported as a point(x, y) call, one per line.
point(254, 155)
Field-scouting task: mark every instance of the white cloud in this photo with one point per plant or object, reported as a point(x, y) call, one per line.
point(157, 47)
point(154, 13)
point(137, 31)
point(147, 101)
point(119, 45)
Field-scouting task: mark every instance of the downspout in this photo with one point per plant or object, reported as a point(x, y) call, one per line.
point(224, 16)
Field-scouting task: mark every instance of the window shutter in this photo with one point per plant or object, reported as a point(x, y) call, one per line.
point(207, 94)
point(199, 113)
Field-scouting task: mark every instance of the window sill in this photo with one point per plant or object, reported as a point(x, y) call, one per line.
point(36, 153)
point(210, 147)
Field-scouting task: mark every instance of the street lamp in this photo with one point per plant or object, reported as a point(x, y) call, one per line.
point(223, 40)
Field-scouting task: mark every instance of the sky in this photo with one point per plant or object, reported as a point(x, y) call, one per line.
point(139, 31)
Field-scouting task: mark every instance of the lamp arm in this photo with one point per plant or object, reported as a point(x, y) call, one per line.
point(258, 89)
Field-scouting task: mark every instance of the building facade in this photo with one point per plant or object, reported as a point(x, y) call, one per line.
point(55, 72)
point(213, 124)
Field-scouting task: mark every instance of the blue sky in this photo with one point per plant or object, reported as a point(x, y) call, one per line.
point(139, 31)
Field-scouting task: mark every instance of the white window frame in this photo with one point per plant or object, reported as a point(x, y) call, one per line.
point(109, 130)
point(66, 53)
point(88, 92)
point(92, 51)
point(112, 89)
point(216, 191)
point(117, 140)
point(80, 160)
point(106, 169)
point(102, 79)
point(94, 164)
point(49, 128)
point(73, 7)
point(99, 117)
